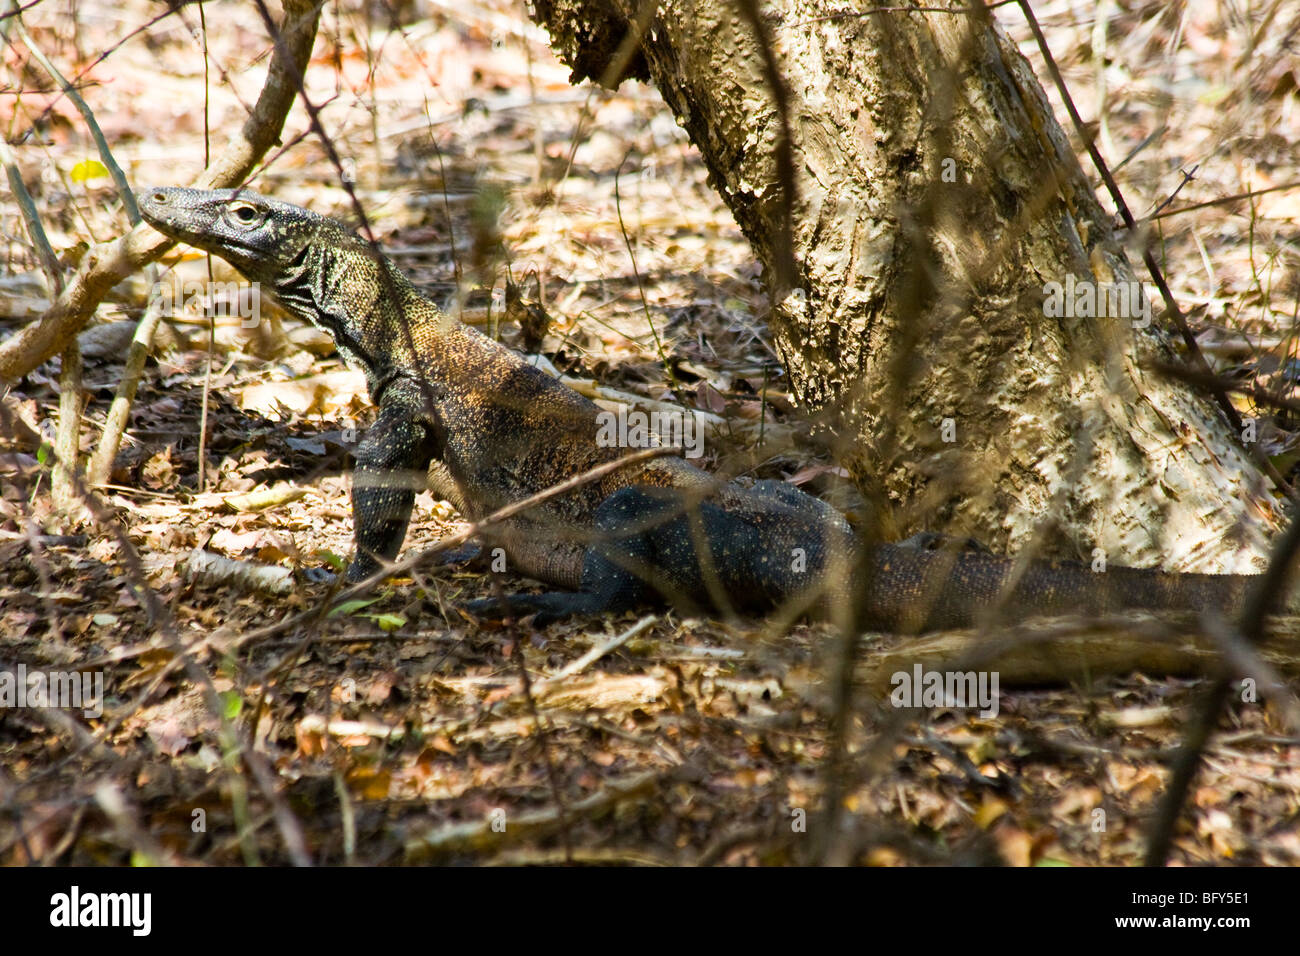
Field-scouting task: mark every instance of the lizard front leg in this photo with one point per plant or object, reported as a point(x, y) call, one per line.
point(391, 466)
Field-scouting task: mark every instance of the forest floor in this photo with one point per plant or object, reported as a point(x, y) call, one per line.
point(401, 730)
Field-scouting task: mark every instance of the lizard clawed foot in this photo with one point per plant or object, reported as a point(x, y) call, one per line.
point(544, 608)
point(466, 554)
point(317, 575)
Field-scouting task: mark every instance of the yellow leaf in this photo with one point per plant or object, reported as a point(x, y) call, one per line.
point(88, 169)
point(884, 856)
point(370, 783)
point(989, 811)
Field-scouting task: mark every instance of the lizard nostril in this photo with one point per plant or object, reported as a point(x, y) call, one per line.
point(159, 196)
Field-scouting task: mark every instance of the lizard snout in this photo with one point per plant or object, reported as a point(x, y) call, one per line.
point(153, 201)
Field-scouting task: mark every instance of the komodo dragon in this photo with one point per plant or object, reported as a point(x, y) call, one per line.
point(489, 429)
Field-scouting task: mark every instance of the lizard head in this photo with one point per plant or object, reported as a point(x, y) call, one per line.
point(259, 236)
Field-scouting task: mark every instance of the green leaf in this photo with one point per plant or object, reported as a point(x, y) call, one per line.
point(43, 454)
point(1285, 461)
point(351, 607)
point(332, 559)
point(88, 169)
point(388, 622)
point(232, 703)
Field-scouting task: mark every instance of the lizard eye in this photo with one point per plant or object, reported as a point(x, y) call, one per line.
point(243, 213)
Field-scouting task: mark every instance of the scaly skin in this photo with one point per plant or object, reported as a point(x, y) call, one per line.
point(486, 429)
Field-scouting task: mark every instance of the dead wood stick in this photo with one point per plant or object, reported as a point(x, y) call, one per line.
point(596, 653)
point(108, 263)
point(460, 837)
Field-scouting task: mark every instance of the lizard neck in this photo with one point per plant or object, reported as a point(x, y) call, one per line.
point(379, 321)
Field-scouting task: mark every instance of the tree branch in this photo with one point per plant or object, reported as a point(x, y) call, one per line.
point(108, 263)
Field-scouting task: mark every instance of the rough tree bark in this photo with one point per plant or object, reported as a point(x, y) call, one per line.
point(914, 299)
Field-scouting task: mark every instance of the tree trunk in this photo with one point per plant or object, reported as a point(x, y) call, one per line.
point(934, 199)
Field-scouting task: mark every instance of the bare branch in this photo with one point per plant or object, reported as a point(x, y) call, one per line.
point(108, 263)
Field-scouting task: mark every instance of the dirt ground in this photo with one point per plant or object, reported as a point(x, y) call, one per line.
point(403, 730)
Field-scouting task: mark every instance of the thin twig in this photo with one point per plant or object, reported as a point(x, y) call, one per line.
point(290, 829)
point(1187, 178)
point(784, 267)
point(101, 144)
point(1224, 200)
point(1148, 258)
point(1210, 380)
point(1265, 595)
point(640, 286)
point(543, 745)
point(107, 264)
point(419, 558)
